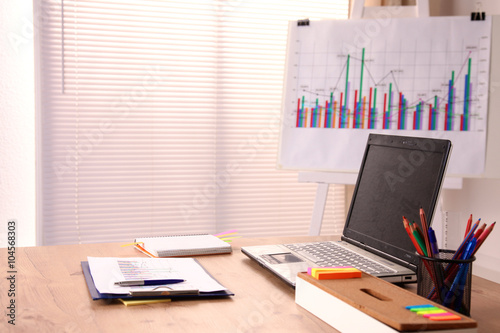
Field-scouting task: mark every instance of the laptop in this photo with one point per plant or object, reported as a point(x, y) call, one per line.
point(398, 176)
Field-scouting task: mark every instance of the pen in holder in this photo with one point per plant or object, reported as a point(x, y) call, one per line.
point(446, 281)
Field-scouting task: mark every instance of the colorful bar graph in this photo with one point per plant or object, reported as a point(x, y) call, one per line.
point(397, 112)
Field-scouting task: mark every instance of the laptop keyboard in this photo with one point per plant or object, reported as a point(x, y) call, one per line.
point(326, 254)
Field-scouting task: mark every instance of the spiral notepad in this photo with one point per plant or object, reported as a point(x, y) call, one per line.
point(181, 246)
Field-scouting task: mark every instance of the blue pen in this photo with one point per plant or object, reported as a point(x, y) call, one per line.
point(129, 283)
point(466, 241)
point(470, 249)
point(438, 269)
point(433, 241)
point(461, 277)
point(461, 286)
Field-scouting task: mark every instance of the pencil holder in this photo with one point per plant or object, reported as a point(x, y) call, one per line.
point(446, 281)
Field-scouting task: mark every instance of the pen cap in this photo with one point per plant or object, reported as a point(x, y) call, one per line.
point(446, 281)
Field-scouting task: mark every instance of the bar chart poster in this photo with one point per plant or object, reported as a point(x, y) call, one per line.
point(425, 77)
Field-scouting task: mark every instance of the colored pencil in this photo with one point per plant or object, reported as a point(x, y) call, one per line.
point(466, 240)
point(406, 224)
point(479, 231)
point(425, 232)
point(484, 235)
point(418, 237)
point(469, 224)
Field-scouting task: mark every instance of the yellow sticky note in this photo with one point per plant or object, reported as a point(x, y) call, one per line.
point(129, 302)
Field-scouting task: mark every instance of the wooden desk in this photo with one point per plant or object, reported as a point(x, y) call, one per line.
point(51, 296)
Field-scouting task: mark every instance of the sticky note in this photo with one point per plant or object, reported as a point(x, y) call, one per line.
point(338, 275)
point(430, 311)
point(335, 272)
point(429, 308)
point(446, 313)
point(444, 318)
point(410, 307)
point(129, 302)
point(315, 269)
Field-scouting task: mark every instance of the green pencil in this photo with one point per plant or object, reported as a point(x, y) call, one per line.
point(419, 239)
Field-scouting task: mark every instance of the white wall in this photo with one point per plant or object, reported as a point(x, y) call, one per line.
point(479, 197)
point(17, 121)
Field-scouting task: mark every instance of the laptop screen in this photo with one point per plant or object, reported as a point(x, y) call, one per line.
point(398, 176)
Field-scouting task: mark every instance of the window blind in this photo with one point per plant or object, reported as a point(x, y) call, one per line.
point(162, 117)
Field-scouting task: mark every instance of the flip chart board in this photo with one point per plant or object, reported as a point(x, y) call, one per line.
point(426, 77)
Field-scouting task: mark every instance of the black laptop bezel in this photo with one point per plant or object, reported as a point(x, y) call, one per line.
point(407, 258)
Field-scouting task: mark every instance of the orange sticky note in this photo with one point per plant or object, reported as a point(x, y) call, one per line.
point(347, 274)
point(316, 271)
point(443, 318)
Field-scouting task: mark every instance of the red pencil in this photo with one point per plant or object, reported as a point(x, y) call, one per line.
point(410, 227)
point(410, 234)
point(469, 224)
point(479, 231)
point(483, 236)
point(425, 231)
point(466, 240)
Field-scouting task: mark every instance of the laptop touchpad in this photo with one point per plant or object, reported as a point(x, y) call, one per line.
point(281, 258)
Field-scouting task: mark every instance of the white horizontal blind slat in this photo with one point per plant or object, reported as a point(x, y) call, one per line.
point(161, 117)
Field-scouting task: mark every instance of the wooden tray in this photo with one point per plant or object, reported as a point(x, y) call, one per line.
point(385, 302)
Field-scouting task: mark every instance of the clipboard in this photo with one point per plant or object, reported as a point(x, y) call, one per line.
point(96, 295)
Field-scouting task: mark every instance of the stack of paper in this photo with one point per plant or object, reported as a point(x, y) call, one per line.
point(102, 273)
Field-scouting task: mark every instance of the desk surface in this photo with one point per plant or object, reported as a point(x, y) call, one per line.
point(51, 296)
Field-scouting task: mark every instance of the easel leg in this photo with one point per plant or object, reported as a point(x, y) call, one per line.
point(319, 209)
